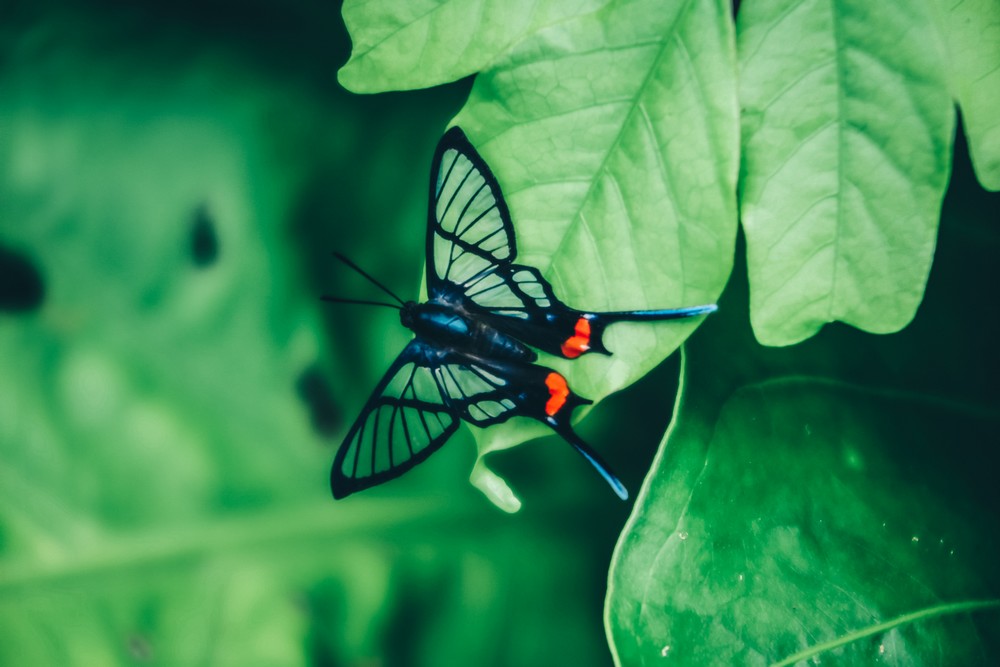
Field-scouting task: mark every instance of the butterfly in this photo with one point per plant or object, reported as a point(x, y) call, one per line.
point(472, 357)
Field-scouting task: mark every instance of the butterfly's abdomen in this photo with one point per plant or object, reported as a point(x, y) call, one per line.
point(450, 325)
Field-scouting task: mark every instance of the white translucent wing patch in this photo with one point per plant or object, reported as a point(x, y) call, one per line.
point(472, 240)
point(511, 291)
point(476, 392)
point(471, 235)
point(403, 421)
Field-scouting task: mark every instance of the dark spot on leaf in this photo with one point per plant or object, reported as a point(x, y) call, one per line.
point(204, 240)
point(22, 289)
point(313, 389)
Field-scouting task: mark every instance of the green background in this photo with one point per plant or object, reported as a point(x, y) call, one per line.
point(173, 179)
point(167, 423)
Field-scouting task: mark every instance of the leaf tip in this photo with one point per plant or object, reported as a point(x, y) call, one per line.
point(494, 488)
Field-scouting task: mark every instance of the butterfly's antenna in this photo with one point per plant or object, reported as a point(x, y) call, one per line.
point(337, 299)
point(375, 282)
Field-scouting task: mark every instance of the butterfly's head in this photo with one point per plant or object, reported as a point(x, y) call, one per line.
point(407, 314)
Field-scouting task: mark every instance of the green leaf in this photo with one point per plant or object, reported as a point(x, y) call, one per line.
point(972, 33)
point(830, 502)
point(622, 187)
point(847, 126)
point(406, 45)
point(791, 524)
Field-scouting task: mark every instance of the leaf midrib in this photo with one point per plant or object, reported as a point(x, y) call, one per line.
point(967, 606)
point(615, 143)
point(841, 104)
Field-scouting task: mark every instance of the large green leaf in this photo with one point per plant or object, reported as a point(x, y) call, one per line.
point(405, 45)
point(972, 32)
point(832, 502)
point(613, 135)
point(816, 520)
point(847, 126)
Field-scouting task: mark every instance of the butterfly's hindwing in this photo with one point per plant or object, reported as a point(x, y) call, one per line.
point(414, 410)
point(489, 391)
point(513, 291)
point(480, 394)
point(405, 421)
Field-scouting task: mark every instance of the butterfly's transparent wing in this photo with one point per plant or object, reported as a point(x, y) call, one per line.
point(405, 421)
point(417, 406)
point(481, 393)
point(470, 237)
point(412, 412)
point(487, 392)
point(470, 257)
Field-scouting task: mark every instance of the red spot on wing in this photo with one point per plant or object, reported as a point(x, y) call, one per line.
point(558, 391)
point(579, 342)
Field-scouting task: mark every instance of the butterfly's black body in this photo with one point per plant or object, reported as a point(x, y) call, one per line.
point(451, 324)
point(471, 357)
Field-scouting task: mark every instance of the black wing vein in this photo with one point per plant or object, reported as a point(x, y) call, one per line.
point(470, 237)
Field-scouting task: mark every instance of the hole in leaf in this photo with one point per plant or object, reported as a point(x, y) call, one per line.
point(313, 389)
point(204, 239)
point(22, 289)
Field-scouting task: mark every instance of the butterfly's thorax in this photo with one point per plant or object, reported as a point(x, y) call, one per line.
point(451, 324)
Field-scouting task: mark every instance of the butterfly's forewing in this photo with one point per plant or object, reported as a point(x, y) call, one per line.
point(469, 232)
point(470, 237)
point(470, 256)
point(471, 251)
point(405, 421)
point(414, 410)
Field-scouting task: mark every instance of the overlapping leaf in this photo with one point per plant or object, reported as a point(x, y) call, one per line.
point(862, 548)
point(831, 501)
point(613, 134)
point(847, 126)
point(972, 32)
point(404, 45)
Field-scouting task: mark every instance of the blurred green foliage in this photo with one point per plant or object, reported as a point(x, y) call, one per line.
point(173, 179)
